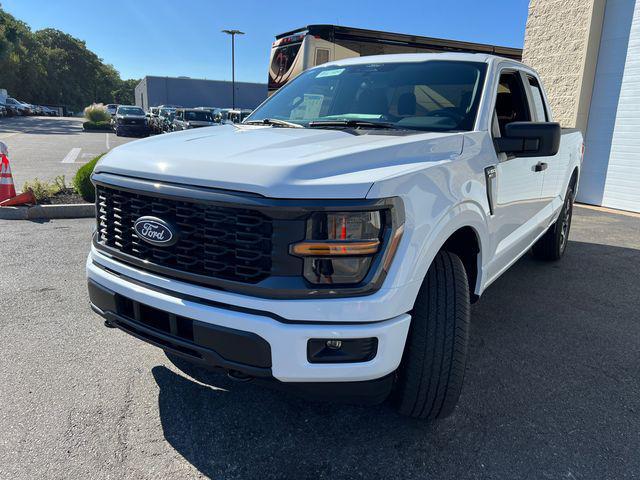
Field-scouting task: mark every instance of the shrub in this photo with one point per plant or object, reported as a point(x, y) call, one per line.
point(103, 125)
point(41, 190)
point(97, 112)
point(82, 181)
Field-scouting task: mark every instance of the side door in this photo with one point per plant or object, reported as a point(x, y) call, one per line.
point(556, 167)
point(516, 183)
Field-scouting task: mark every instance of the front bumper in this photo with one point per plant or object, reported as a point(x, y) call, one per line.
point(133, 129)
point(285, 340)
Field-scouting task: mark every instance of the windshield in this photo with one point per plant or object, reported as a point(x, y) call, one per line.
point(433, 95)
point(198, 116)
point(130, 111)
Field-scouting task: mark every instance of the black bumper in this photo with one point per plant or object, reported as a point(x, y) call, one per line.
point(133, 129)
point(218, 347)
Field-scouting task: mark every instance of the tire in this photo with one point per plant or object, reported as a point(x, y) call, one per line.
point(552, 245)
point(431, 373)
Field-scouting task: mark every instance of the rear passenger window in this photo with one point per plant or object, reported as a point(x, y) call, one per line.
point(540, 113)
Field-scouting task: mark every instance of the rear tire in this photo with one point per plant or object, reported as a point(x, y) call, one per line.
point(431, 374)
point(552, 245)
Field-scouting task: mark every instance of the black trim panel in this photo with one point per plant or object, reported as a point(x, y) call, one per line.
point(213, 344)
point(275, 286)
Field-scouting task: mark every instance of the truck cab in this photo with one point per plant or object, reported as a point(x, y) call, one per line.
point(333, 242)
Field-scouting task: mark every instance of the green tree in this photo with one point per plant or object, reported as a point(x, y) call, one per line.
point(52, 67)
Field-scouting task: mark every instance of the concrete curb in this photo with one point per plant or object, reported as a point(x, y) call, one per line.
point(48, 212)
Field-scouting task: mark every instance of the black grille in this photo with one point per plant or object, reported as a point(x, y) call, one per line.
point(216, 241)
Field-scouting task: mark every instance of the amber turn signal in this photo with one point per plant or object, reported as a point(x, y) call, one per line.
point(322, 249)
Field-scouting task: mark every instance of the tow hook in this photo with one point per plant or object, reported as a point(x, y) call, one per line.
point(237, 376)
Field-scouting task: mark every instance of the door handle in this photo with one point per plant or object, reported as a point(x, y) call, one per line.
point(540, 166)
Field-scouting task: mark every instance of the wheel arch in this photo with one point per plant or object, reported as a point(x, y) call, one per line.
point(462, 231)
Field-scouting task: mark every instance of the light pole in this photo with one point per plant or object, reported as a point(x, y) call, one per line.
point(233, 34)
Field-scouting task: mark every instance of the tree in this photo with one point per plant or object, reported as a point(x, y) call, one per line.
point(53, 68)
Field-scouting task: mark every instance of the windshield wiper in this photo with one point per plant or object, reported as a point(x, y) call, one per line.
point(274, 122)
point(351, 124)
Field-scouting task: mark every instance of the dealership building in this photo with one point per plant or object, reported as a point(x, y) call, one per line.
point(194, 92)
point(588, 55)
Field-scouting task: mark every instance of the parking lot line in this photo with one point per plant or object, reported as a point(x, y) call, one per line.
point(71, 156)
point(106, 141)
point(7, 135)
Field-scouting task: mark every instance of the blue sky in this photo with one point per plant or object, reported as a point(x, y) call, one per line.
point(162, 37)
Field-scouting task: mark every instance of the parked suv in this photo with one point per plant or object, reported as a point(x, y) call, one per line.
point(130, 120)
point(186, 118)
point(334, 241)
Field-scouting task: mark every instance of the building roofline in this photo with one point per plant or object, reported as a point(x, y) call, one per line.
point(198, 79)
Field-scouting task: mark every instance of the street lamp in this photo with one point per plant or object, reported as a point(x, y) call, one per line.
point(233, 34)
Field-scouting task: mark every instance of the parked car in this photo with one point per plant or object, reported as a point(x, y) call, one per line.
point(165, 119)
point(112, 109)
point(333, 242)
point(238, 116)
point(130, 121)
point(11, 110)
point(50, 112)
point(17, 106)
point(3, 111)
point(186, 118)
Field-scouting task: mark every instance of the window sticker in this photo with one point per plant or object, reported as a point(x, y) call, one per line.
point(330, 73)
point(309, 108)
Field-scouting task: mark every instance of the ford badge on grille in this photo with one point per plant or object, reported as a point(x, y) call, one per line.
point(155, 231)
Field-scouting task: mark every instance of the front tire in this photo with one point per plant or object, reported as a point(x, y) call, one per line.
point(431, 374)
point(552, 245)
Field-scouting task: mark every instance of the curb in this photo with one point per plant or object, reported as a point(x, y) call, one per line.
point(48, 212)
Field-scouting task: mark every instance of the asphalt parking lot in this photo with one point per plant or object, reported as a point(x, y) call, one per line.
point(552, 387)
point(45, 147)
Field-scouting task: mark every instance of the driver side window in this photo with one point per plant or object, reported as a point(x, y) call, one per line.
point(511, 101)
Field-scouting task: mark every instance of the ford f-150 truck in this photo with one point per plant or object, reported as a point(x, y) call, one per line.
point(332, 243)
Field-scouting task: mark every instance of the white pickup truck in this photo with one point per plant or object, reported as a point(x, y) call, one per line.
point(333, 242)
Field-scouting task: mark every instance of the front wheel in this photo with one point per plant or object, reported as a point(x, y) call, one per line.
point(552, 245)
point(430, 377)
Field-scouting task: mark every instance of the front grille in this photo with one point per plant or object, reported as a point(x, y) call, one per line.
point(133, 121)
point(222, 242)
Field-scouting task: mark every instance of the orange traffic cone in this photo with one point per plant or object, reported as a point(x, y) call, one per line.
point(7, 189)
point(24, 198)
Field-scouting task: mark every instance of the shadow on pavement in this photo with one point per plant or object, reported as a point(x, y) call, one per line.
point(42, 125)
point(552, 390)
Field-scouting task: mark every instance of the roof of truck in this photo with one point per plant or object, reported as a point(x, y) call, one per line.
point(420, 57)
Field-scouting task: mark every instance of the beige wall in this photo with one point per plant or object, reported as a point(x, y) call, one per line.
point(561, 42)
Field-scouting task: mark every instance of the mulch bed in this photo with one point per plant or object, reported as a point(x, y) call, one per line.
point(66, 196)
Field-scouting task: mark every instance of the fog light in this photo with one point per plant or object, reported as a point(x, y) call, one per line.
point(346, 350)
point(334, 344)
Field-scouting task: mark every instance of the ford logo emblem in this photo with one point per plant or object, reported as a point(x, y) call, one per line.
point(155, 231)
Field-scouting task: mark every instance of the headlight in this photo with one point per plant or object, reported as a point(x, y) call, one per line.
point(340, 247)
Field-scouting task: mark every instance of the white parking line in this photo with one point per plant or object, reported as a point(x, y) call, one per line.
point(7, 135)
point(106, 140)
point(71, 156)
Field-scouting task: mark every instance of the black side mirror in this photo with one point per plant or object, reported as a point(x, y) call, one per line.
point(530, 139)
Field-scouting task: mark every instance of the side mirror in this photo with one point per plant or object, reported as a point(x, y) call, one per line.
point(530, 139)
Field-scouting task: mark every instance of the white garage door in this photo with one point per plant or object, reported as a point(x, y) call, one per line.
point(611, 170)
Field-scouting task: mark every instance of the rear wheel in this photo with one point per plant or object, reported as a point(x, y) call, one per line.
point(552, 245)
point(432, 370)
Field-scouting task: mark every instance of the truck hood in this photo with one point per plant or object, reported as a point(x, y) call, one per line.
point(280, 162)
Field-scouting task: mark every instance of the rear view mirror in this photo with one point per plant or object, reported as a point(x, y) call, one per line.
point(530, 139)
